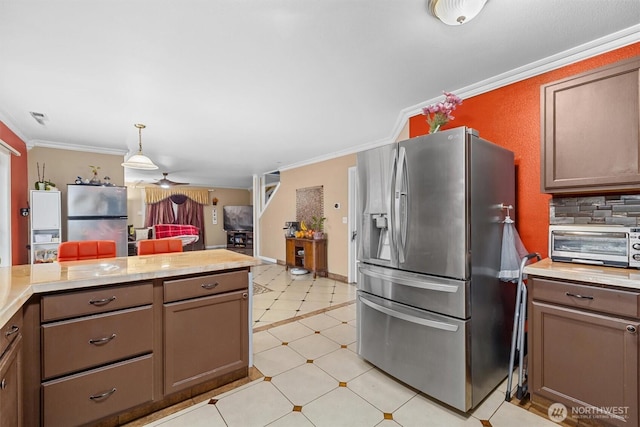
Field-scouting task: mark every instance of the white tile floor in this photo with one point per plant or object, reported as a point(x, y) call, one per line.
point(289, 296)
point(313, 376)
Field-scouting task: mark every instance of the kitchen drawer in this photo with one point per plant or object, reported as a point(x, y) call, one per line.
point(73, 345)
point(95, 300)
point(10, 331)
point(605, 300)
point(75, 400)
point(180, 289)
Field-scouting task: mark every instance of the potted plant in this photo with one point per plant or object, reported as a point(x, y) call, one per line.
point(317, 225)
point(94, 180)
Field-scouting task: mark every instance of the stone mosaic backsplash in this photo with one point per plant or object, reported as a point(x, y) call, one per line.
point(607, 210)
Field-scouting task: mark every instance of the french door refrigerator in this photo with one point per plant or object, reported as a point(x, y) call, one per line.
point(98, 213)
point(429, 302)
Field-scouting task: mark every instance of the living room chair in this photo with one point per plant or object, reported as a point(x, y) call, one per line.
point(86, 249)
point(159, 246)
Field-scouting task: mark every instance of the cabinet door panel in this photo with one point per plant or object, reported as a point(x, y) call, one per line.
point(96, 300)
point(590, 139)
point(45, 209)
point(11, 385)
point(585, 359)
point(70, 346)
point(92, 395)
point(201, 286)
point(205, 338)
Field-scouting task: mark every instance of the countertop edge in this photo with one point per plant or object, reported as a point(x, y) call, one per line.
point(19, 293)
point(628, 278)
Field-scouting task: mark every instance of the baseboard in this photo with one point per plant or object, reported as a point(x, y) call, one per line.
point(332, 276)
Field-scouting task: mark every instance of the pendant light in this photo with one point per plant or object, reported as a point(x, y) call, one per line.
point(456, 12)
point(139, 160)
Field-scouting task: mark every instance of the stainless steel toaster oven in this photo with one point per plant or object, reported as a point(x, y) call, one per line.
point(609, 245)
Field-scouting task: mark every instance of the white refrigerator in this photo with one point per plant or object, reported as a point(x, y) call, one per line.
point(96, 212)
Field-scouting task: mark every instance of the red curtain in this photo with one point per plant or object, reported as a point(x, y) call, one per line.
point(190, 212)
point(159, 213)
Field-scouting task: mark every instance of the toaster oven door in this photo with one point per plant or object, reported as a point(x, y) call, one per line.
point(591, 247)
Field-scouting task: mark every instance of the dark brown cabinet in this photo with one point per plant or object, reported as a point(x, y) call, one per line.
point(585, 347)
point(97, 352)
point(590, 131)
point(310, 254)
point(11, 373)
point(106, 355)
point(206, 329)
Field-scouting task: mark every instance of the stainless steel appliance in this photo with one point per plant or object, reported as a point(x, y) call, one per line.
point(290, 228)
point(610, 245)
point(430, 309)
point(98, 213)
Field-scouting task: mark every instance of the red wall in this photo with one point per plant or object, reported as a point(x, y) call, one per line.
point(510, 117)
point(19, 197)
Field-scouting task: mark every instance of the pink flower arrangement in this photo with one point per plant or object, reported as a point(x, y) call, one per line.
point(439, 114)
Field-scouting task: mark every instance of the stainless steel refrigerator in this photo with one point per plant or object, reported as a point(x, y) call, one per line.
point(430, 305)
point(98, 213)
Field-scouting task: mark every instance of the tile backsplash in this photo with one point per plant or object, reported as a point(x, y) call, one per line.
point(610, 209)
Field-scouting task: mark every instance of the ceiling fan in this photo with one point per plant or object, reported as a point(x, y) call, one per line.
point(166, 183)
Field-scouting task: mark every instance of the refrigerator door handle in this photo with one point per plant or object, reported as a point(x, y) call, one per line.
point(422, 284)
point(400, 200)
point(408, 318)
point(391, 229)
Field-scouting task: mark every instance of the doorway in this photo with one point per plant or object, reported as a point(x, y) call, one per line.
point(352, 275)
point(5, 211)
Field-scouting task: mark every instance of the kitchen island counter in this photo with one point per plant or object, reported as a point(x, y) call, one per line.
point(611, 276)
point(19, 283)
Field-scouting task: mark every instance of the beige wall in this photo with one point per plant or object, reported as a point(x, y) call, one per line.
point(333, 175)
point(214, 233)
point(63, 166)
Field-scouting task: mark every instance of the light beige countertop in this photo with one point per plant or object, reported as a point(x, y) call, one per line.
point(612, 276)
point(18, 283)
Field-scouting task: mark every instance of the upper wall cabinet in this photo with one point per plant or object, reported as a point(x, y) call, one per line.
point(591, 131)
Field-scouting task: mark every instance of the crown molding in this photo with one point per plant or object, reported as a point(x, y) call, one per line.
point(76, 147)
point(584, 51)
point(587, 50)
point(8, 122)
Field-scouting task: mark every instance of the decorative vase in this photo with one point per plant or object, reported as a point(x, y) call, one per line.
point(434, 129)
point(95, 179)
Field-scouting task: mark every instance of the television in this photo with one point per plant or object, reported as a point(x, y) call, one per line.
point(237, 218)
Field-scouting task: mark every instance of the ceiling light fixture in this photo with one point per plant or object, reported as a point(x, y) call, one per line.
point(456, 12)
point(139, 160)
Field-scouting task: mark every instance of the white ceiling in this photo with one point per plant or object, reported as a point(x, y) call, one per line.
point(232, 88)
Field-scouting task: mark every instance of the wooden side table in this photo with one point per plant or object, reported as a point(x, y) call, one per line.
point(310, 254)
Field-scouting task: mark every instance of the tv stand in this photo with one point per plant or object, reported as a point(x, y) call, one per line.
point(240, 241)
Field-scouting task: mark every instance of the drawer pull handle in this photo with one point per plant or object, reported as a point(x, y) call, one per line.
point(103, 395)
point(631, 328)
point(102, 301)
point(3, 384)
point(101, 341)
point(209, 285)
point(14, 329)
point(245, 295)
point(569, 294)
